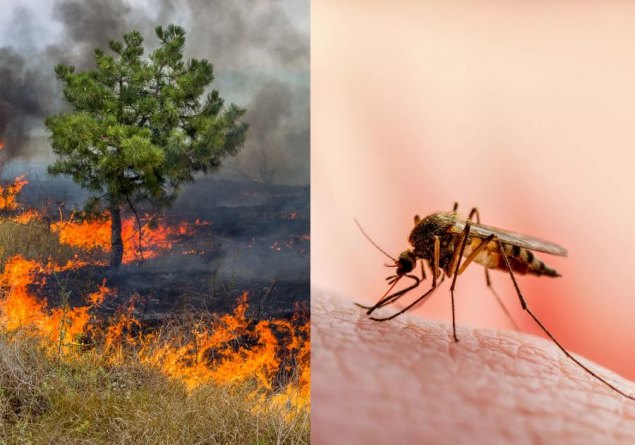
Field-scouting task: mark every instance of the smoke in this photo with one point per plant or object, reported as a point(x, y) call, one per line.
point(276, 114)
point(238, 34)
point(260, 51)
point(21, 92)
point(89, 25)
point(29, 90)
point(24, 85)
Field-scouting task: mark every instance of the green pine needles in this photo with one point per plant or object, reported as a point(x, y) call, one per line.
point(141, 127)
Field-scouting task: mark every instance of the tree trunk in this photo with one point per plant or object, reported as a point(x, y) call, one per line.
point(116, 241)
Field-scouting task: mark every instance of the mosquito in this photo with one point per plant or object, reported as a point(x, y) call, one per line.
point(447, 244)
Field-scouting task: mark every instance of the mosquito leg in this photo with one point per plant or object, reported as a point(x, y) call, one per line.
point(423, 270)
point(435, 283)
point(470, 259)
point(411, 305)
point(456, 207)
point(460, 248)
point(488, 280)
point(475, 253)
point(393, 284)
point(435, 261)
point(395, 296)
point(388, 299)
point(526, 308)
point(455, 255)
point(473, 212)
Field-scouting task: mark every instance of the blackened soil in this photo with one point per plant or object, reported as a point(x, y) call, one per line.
point(255, 240)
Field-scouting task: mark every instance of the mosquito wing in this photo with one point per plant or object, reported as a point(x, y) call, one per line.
point(507, 237)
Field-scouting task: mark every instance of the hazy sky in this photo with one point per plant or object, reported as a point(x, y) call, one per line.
point(39, 12)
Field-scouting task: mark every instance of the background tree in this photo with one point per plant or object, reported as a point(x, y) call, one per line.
point(142, 127)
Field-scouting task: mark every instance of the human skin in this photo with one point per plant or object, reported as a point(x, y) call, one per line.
point(406, 381)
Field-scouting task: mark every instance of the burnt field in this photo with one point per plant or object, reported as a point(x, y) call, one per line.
point(247, 237)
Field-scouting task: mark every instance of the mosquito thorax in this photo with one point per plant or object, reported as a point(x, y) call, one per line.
point(406, 262)
point(422, 235)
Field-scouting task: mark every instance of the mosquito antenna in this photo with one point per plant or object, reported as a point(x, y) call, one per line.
point(371, 241)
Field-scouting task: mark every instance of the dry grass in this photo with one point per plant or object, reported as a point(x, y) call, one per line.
point(48, 401)
point(33, 241)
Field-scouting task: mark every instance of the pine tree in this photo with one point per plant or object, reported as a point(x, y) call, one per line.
point(141, 127)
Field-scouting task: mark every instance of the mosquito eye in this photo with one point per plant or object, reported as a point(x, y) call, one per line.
point(404, 265)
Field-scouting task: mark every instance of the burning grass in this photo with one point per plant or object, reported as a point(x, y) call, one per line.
point(9, 192)
point(46, 400)
point(262, 364)
point(153, 237)
point(29, 233)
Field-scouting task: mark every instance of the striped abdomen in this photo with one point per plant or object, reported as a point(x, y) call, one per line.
point(522, 261)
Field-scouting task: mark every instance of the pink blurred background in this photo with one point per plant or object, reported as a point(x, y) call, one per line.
point(523, 109)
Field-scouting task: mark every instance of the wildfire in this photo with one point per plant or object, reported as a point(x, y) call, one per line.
point(225, 350)
point(94, 234)
point(9, 192)
point(229, 350)
point(256, 355)
point(291, 243)
point(27, 216)
point(19, 308)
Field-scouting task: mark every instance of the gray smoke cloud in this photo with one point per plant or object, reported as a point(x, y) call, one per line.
point(24, 86)
point(260, 51)
point(21, 90)
point(247, 33)
point(89, 25)
point(276, 114)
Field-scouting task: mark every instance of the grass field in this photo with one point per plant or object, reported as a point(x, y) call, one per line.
point(44, 400)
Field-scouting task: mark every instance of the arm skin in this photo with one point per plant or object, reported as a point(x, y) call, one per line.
point(405, 381)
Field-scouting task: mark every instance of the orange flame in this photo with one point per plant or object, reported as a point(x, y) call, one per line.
point(233, 349)
point(235, 362)
point(20, 309)
point(91, 235)
point(9, 192)
point(27, 216)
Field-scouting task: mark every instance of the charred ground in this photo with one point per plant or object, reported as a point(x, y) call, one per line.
point(251, 237)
